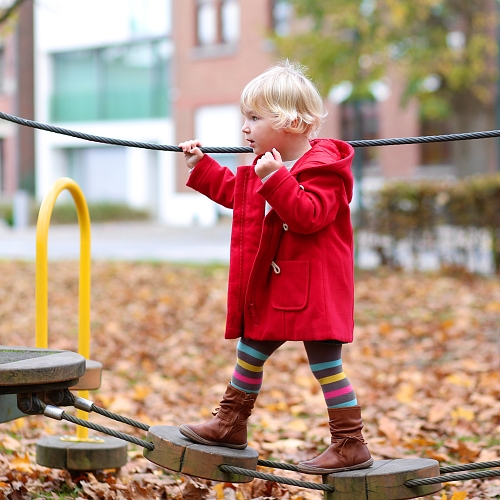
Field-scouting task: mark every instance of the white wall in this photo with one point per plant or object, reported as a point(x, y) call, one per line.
point(73, 24)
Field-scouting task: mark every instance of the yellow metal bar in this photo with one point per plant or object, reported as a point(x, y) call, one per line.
point(42, 302)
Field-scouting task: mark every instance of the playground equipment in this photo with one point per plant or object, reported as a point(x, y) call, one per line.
point(80, 452)
point(164, 445)
point(42, 378)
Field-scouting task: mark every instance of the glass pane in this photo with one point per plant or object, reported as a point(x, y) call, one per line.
point(122, 82)
point(127, 81)
point(75, 86)
point(230, 21)
point(282, 13)
point(207, 24)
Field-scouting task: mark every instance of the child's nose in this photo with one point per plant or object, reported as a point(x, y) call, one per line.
point(245, 128)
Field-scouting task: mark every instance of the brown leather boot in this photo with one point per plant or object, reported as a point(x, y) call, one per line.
point(348, 450)
point(229, 426)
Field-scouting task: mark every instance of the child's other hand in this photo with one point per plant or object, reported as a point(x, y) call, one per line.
point(192, 152)
point(268, 163)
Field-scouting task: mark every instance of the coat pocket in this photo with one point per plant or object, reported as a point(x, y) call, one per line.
point(290, 286)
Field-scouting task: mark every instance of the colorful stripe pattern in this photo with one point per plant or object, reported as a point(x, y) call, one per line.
point(249, 369)
point(325, 361)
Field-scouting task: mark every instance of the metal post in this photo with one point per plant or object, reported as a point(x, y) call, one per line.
point(358, 175)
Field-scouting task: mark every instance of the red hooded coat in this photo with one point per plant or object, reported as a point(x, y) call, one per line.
point(291, 271)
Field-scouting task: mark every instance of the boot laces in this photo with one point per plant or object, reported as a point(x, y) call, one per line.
point(343, 441)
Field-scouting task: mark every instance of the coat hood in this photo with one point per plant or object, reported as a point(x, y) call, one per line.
point(333, 155)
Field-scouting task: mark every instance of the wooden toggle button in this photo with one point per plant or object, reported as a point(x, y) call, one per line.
point(173, 451)
point(91, 380)
point(384, 480)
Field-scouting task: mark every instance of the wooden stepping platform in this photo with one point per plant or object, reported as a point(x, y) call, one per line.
point(24, 369)
point(72, 453)
point(174, 452)
point(384, 480)
point(91, 380)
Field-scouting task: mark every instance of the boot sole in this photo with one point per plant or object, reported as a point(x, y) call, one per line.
point(307, 469)
point(188, 433)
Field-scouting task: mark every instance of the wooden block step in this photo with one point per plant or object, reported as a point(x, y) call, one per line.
point(91, 380)
point(384, 480)
point(24, 369)
point(69, 452)
point(173, 451)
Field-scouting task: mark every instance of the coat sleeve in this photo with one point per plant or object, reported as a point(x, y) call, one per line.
point(214, 181)
point(306, 204)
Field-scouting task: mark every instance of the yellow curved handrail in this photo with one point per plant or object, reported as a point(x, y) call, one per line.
point(42, 272)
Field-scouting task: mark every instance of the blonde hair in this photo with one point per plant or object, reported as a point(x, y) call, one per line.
point(284, 93)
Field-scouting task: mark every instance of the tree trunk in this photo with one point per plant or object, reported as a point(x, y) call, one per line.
point(472, 156)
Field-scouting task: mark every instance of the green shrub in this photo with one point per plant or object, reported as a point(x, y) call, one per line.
point(6, 213)
point(413, 210)
point(65, 213)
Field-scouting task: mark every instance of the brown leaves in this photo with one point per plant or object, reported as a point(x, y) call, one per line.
point(424, 365)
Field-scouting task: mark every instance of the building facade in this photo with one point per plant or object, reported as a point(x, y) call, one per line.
point(17, 153)
point(106, 74)
point(170, 70)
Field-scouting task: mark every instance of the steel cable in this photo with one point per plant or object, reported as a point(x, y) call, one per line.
point(106, 430)
point(277, 465)
point(463, 467)
point(451, 477)
point(276, 479)
point(120, 418)
point(163, 147)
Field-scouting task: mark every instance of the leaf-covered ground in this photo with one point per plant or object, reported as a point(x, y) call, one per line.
point(425, 365)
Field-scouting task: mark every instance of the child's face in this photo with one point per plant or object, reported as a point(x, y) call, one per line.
point(261, 134)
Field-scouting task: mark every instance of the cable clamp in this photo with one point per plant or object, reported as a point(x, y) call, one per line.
point(83, 404)
point(53, 412)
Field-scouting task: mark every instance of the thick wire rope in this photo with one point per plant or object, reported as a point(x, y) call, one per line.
point(60, 414)
point(277, 465)
point(163, 147)
point(276, 479)
point(112, 141)
point(463, 467)
point(89, 406)
point(452, 477)
point(120, 418)
point(110, 432)
point(282, 465)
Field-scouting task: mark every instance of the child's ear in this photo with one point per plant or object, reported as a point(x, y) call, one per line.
point(292, 127)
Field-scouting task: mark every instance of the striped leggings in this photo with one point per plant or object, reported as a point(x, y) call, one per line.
point(325, 360)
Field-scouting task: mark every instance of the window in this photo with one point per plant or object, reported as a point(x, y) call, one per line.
point(435, 153)
point(112, 83)
point(217, 22)
point(281, 16)
point(207, 23)
point(230, 20)
point(359, 121)
point(99, 171)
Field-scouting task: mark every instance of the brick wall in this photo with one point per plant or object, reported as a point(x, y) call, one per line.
point(215, 76)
